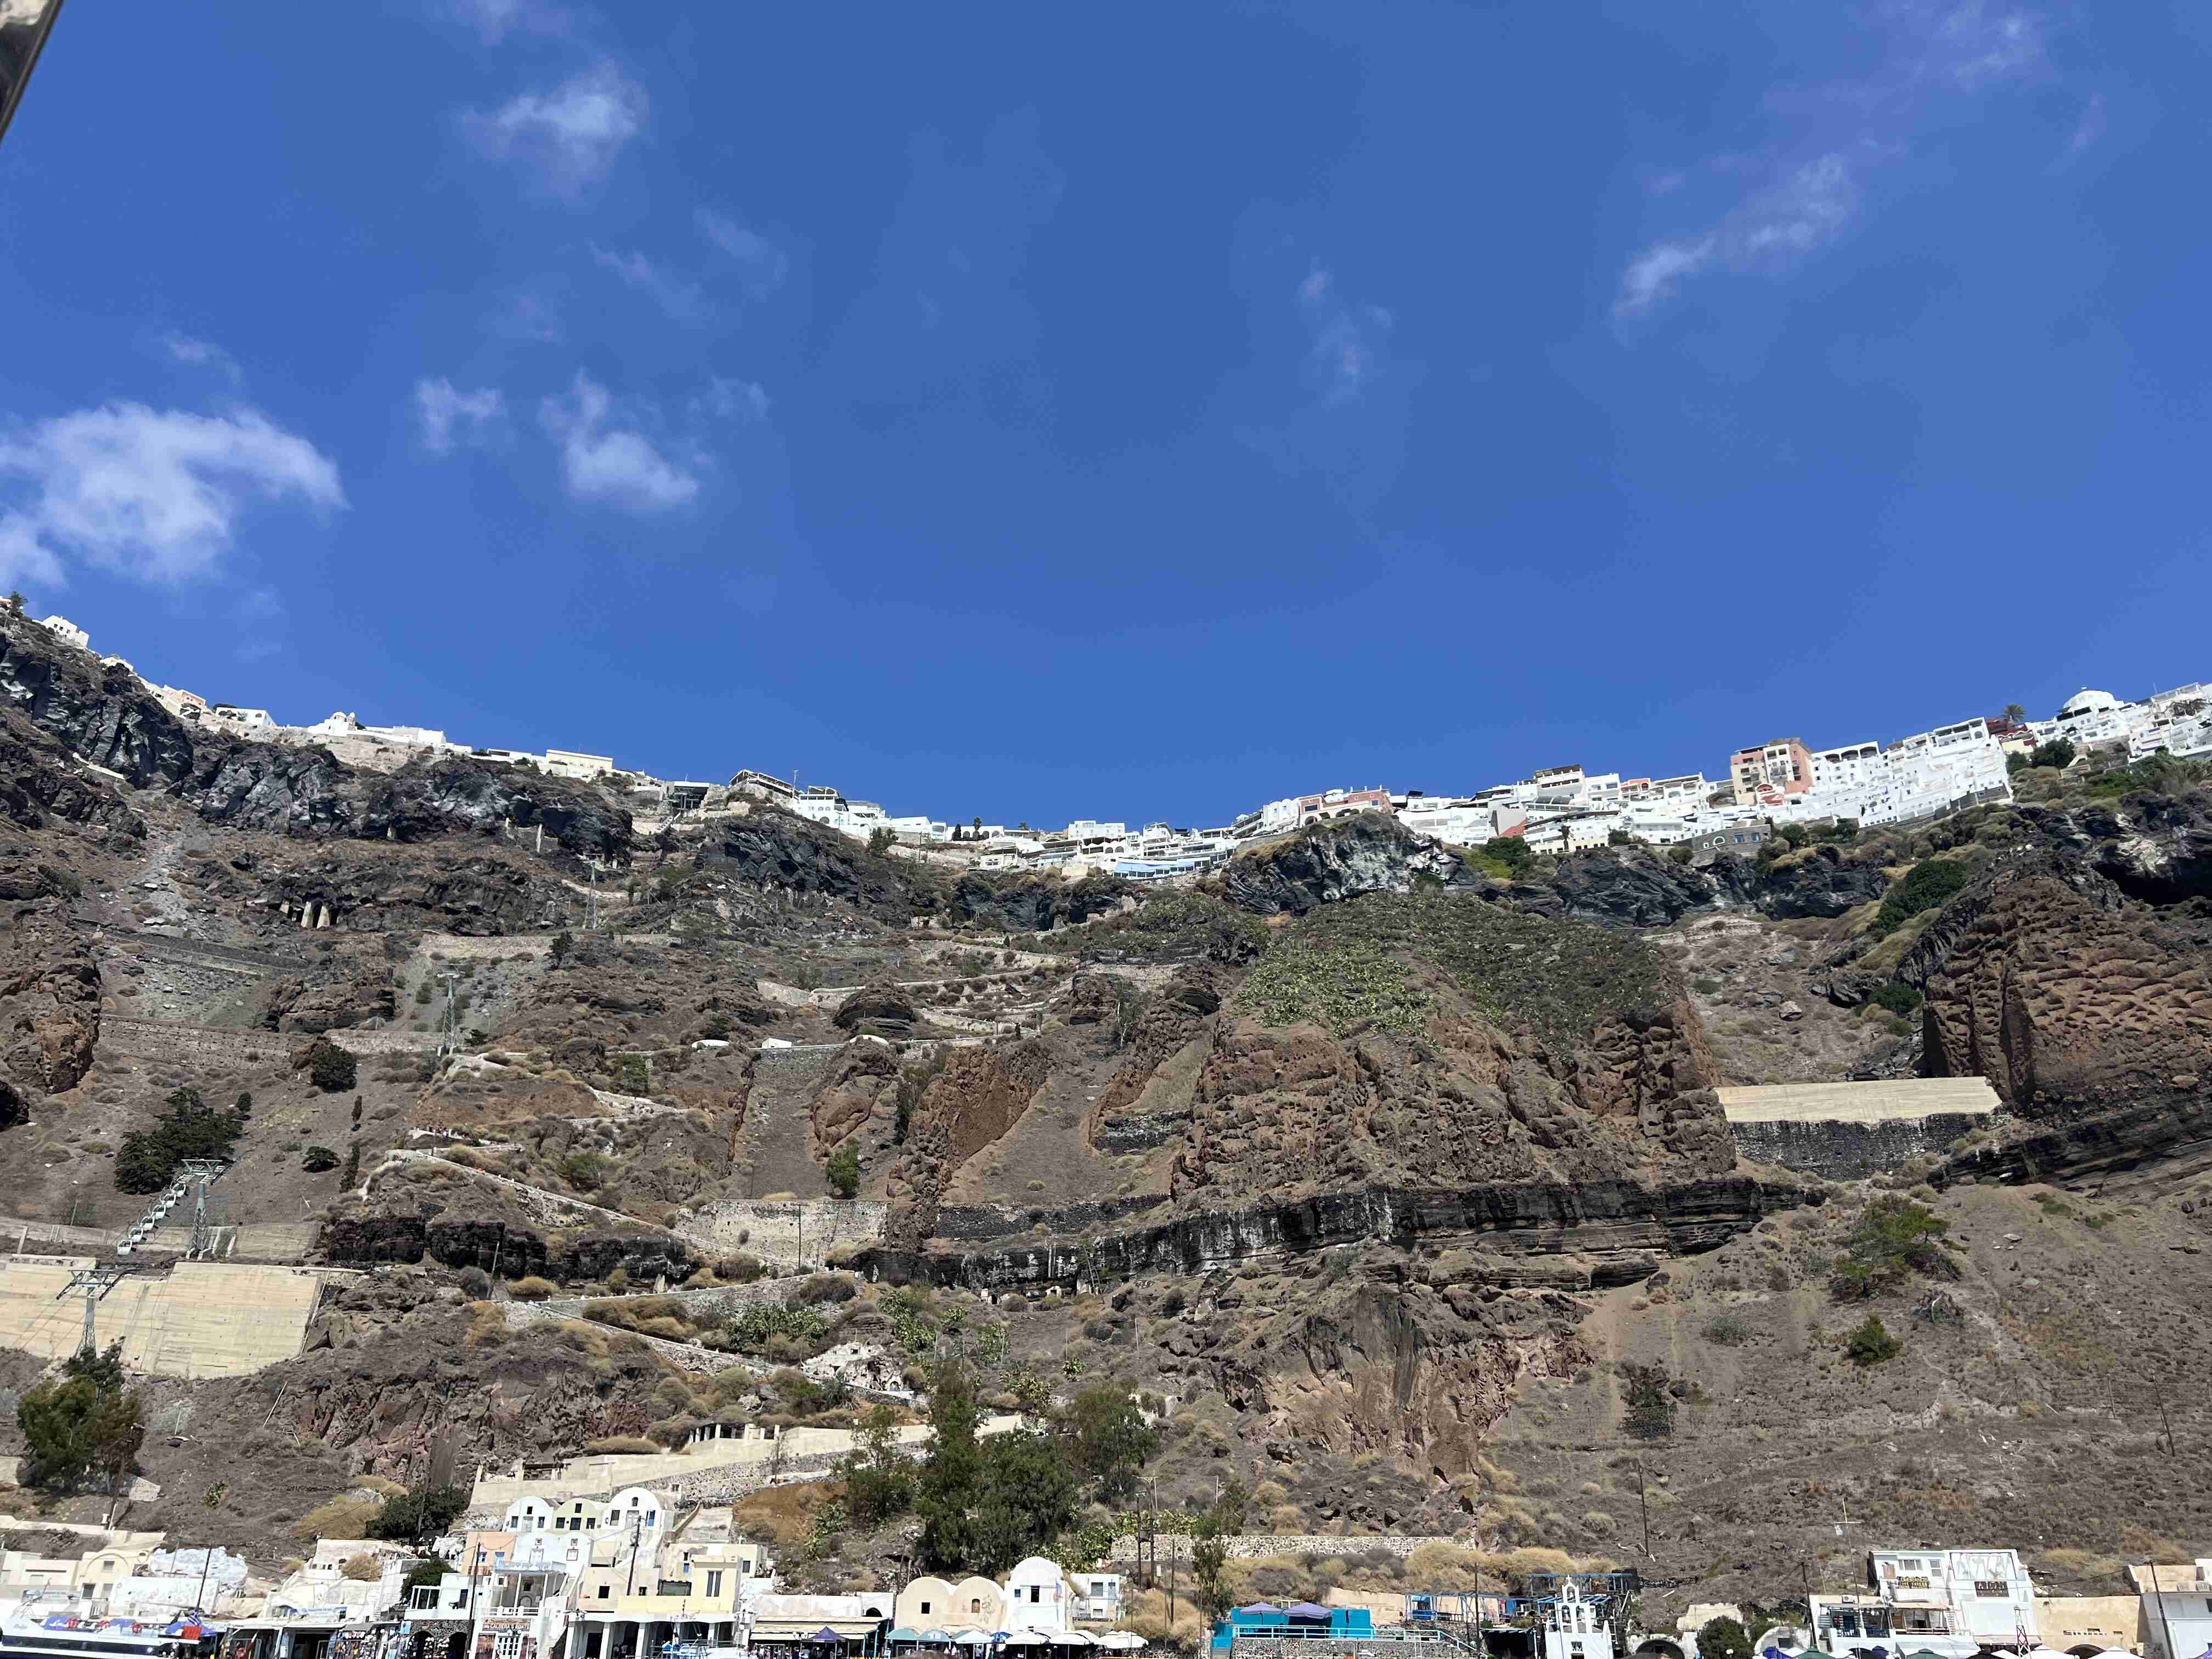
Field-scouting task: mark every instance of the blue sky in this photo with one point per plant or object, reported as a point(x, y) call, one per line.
point(1035, 411)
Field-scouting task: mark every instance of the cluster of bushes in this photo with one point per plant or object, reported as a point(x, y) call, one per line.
point(1927, 885)
point(1894, 1239)
point(328, 1068)
point(776, 1330)
point(1178, 928)
point(1502, 858)
point(189, 1128)
point(984, 1505)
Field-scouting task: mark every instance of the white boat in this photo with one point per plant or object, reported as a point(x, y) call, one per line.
point(31, 1634)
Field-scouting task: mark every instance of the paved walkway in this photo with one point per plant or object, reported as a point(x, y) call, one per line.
point(1883, 1102)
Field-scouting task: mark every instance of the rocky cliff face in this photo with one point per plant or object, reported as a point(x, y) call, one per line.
point(779, 852)
point(859, 1097)
point(1445, 1040)
point(306, 793)
point(451, 887)
point(1299, 1109)
point(351, 985)
point(1338, 859)
point(50, 991)
point(99, 714)
point(37, 784)
point(1131, 1115)
point(362, 1237)
point(2069, 1003)
point(1565, 1235)
point(1034, 904)
point(979, 1095)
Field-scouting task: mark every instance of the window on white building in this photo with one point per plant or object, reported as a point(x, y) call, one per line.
point(714, 1584)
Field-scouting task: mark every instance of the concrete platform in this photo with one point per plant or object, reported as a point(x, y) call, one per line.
point(1896, 1099)
point(200, 1319)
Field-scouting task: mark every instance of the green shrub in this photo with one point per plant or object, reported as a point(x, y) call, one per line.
point(1869, 1343)
point(584, 1170)
point(1896, 997)
point(1727, 1331)
point(418, 1515)
point(328, 1068)
point(754, 1326)
point(1893, 1238)
point(316, 1159)
point(1929, 885)
point(842, 1172)
point(189, 1128)
point(2056, 752)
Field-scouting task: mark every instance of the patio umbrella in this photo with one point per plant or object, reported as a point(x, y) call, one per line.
point(971, 1638)
point(1260, 1607)
point(826, 1635)
point(1025, 1638)
point(1073, 1639)
point(933, 1634)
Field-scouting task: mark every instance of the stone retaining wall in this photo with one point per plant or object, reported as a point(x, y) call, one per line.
point(774, 1231)
point(1845, 1151)
point(1253, 1546)
point(155, 1039)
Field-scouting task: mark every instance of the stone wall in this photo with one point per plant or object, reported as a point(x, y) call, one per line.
point(774, 1231)
point(1841, 1150)
point(1254, 1546)
point(156, 1039)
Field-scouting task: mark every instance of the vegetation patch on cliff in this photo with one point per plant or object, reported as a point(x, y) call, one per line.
point(1346, 964)
point(1337, 985)
point(1178, 928)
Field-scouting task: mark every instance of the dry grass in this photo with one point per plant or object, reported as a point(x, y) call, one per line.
point(340, 1518)
point(780, 1516)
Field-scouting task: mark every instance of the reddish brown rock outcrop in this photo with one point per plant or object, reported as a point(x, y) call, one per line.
point(2072, 1004)
point(979, 1096)
point(1291, 1110)
point(859, 1097)
point(49, 998)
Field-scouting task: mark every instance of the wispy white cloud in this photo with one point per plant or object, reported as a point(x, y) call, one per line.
point(761, 265)
point(448, 417)
point(729, 399)
point(154, 494)
point(568, 136)
point(201, 354)
point(683, 299)
point(1349, 341)
point(494, 18)
point(1349, 428)
point(603, 460)
point(1786, 220)
point(1814, 183)
point(1973, 44)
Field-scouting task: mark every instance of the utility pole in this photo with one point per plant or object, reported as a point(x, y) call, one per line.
point(1643, 1506)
